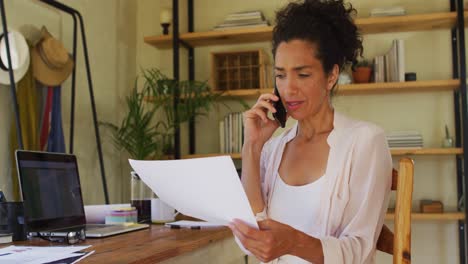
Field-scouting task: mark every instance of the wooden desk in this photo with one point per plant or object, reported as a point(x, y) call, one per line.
point(161, 244)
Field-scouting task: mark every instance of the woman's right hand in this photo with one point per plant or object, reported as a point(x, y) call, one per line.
point(258, 128)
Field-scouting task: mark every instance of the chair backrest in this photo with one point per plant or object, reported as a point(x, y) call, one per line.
point(399, 244)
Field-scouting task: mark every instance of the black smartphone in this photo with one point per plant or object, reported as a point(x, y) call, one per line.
point(280, 114)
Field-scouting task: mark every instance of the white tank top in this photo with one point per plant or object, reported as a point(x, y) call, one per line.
point(298, 207)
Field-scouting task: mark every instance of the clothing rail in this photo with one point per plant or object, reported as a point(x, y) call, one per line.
point(12, 77)
point(74, 13)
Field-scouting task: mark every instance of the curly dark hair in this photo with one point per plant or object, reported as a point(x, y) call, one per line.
point(327, 23)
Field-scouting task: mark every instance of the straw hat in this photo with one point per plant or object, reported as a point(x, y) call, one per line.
point(51, 62)
point(19, 52)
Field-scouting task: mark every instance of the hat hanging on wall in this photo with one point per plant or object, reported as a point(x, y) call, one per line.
point(51, 62)
point(19, 52)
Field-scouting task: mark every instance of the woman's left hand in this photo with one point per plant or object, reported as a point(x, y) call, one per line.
point(273, 240)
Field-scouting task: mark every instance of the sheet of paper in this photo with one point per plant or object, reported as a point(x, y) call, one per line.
point(204, 188)
point(36, 255)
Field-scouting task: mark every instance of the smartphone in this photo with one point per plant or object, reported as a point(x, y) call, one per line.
point(280, 114)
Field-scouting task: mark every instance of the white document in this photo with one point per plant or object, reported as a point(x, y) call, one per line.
point(36, 255)
point(204, 188)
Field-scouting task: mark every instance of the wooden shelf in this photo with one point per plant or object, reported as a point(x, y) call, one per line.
point(371, 25)
point(448, 216)
point(366, 88)
point(399, 87)
point(232, 36)
point(395, 152)
point(427, 151)
point(420, 22)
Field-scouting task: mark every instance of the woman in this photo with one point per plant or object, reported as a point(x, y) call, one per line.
point(322, 187)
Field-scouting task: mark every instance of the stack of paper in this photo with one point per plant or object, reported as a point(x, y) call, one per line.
point(6, 238)
point(404, 139)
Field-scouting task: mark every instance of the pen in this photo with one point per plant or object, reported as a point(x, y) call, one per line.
point(84, 256)
point(179, 227)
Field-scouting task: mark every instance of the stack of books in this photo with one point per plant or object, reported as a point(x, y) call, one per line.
point(404, 139)
point(390, 67)
point(231, 133)
point(243, 20)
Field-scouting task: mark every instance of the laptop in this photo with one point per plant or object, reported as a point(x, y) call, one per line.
point(51, 193)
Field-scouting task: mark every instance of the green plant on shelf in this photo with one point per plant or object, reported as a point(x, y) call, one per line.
point(150, 121)
point(363, 63)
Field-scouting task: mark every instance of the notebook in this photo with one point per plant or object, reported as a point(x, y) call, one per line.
point(51, 193)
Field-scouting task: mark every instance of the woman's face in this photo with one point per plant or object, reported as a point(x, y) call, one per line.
point(303, 85)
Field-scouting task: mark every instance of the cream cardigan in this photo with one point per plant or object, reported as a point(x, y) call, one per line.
point(356, 189)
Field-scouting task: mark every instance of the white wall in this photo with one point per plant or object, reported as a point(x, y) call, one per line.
point(110, 31)
point(427, 53)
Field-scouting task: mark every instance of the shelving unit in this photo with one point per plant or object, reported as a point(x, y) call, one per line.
point(368, 88)
point(454, 21)
point(363, 88)
point(371, 25)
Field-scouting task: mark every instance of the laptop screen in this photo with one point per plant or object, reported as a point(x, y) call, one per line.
point(51, 190)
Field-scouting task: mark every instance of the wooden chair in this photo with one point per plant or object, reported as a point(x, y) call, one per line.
point(400, 244)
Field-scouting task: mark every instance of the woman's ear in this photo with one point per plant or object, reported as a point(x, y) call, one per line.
point(333, 77)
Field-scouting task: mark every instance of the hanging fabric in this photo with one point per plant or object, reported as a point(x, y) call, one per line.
point(45, 117)
point(56, 141)
point(27, 95)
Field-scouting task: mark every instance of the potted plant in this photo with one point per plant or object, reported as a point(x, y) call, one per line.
point(147, 129)
point(141, 137)
point(362, 72)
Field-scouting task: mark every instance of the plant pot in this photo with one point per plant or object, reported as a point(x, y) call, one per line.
point(362, 74)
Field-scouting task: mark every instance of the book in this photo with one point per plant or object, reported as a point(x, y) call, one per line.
point(243, 20)
point(239, 27)
point(222, 133)
point(400, 59)
point(393, 65)
point(391, 11)
point(255, 13)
